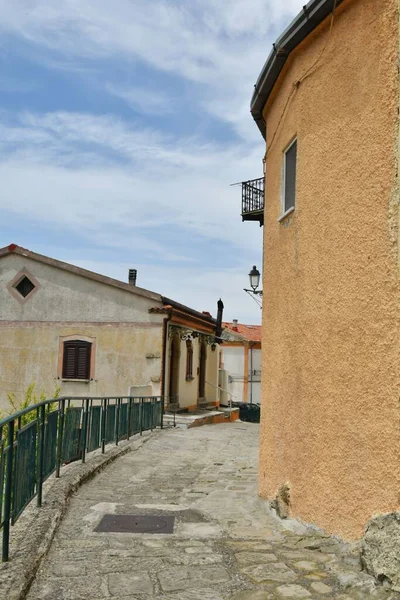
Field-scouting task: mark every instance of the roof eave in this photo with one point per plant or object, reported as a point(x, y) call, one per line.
point(189, 311)
point(312, 15)
point(53, 262)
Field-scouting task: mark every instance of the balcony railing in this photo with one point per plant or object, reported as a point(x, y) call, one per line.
point(253, 200)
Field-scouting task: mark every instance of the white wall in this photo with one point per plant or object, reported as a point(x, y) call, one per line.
point(233, 362)
point(65, 296)
point(127, 339)
point(254, 387)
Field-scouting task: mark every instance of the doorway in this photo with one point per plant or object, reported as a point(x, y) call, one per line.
point(174, 356)
point(202, 371)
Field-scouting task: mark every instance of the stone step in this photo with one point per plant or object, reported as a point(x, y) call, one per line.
point(212, 417)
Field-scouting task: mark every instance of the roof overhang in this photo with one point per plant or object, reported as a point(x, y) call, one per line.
point(312, 15)
point(58, 264)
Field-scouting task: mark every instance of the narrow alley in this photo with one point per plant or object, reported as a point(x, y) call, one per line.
point(225, 544)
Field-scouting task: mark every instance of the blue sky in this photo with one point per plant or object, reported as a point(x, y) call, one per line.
point(122, 126)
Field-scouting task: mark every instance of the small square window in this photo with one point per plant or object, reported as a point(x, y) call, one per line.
point(25, 287)
point(289, 178)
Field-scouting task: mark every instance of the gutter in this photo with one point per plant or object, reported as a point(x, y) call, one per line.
point(312, 15)
point(189, 311)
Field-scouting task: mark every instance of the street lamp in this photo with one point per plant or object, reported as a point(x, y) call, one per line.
point(254, 276)
point(256, 294)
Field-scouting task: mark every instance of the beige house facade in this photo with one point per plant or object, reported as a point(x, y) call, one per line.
point(327, 105)
point(90, 335)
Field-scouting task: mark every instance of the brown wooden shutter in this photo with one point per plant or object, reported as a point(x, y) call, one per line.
point(76, 360)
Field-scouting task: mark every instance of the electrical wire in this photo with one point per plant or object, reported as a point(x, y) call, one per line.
point(297, 83)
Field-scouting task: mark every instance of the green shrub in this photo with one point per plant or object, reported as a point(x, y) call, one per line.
point(30, 398)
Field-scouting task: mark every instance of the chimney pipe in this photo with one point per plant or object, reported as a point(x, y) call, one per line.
point(235, 325)
point(218, 329)
point(132, 276)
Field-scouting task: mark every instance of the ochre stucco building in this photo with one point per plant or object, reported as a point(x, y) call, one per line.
point(327, 104)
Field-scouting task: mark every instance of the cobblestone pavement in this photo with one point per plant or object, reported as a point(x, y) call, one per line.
point(226, 543)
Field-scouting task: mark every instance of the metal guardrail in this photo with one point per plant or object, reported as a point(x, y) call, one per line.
point(37, 441)
point(253, 196)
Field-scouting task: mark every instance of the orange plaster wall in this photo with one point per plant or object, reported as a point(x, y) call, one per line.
point(330, 410)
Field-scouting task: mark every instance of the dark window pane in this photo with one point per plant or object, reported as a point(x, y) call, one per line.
point(25, 287)
point(76, 360)
point(290, 176)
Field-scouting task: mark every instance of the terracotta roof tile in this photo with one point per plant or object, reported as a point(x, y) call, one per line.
point(249, 332)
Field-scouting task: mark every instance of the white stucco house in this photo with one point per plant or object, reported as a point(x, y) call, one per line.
point(91, 335)
point(240, 374)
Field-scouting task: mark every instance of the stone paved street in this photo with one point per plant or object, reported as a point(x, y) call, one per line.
point(226, 543)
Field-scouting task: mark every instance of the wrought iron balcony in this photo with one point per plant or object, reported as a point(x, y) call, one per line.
point(253, 200)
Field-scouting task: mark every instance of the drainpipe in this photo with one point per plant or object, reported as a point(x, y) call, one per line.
point(251, 372)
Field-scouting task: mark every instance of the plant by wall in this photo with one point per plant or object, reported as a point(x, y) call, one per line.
point(29, 398)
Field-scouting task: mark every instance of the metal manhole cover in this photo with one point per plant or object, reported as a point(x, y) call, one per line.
point(136, 524)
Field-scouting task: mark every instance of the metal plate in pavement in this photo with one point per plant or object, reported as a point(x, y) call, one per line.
point(136, 524)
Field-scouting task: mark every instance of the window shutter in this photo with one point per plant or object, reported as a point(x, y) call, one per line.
point(83, 362)
point(76, 360)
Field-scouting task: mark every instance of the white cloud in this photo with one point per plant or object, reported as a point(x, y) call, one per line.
point(145, 101)
point(220, 45)
point(119, 184)
point(161, 184)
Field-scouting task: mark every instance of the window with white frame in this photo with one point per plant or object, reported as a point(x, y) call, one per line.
point(289, 177)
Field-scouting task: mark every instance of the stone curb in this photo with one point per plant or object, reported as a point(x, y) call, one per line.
point(215, 419)
point(32, 536)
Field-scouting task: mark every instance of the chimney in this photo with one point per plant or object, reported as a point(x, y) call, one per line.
point(235, 325)
point(218, 329)
point(132, 276)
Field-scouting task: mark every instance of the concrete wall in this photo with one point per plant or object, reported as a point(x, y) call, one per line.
point(67, 296)
point(30, 354)
point(330, 411)
point(233, 360)
point(127, 340)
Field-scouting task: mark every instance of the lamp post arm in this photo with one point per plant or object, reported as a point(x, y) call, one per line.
point(257, 296)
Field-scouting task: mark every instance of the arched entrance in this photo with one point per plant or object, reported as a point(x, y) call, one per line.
point(202, 371)
point(174, 356)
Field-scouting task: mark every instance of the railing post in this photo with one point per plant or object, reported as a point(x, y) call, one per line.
point(103, 425)
point(152, 414)
point(117, 415)
point(162, 412)
point(41, 454)
point(85, 429)
point(8, 491)
point(129, 417)
point(60, 438)
point(141, 415)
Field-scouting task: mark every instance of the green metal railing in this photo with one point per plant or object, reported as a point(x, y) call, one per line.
point(37, 441)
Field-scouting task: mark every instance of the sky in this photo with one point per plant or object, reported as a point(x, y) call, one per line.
point(123, 124)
